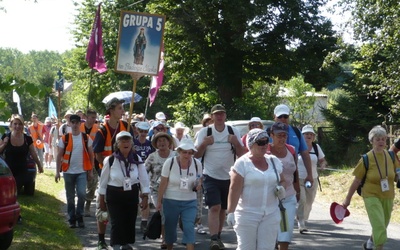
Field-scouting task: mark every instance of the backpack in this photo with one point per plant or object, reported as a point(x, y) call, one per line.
point(153, 230)
point(366, 165)
point(230, 131)
point(315, 147)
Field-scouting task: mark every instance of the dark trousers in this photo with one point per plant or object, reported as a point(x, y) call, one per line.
point(122, 207)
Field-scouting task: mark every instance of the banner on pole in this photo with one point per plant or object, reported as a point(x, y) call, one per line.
point(156, 81)
point(17, 100)
point(52, 109)
point(139, 43)
point(94, 53)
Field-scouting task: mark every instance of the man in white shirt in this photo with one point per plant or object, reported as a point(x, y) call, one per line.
point(75, 158)
point(218, 145)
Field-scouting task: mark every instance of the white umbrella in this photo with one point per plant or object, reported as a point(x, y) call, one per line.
point(122, 95)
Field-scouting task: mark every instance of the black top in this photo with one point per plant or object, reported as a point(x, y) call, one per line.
point(15, 156)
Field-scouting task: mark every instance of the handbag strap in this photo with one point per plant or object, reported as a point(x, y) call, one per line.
point(281, 207)
point(276, 172)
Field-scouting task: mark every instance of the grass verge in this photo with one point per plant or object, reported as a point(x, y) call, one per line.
point(335, 185)
point(43, 225)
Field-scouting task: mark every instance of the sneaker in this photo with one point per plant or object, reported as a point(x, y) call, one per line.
point(220, 244)
point(143, 226)
point(81, 224)
point(364, 245)
point(126, 247)
point(87, 209)
point(200, 229)
point(214, 245)
point(302, 227)
point(72, 224)
point(102, 245)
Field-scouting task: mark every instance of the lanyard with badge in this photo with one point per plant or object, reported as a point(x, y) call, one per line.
point(384, 181)
point(184, 180)
point(127, 176)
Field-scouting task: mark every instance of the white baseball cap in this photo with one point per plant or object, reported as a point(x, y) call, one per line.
point(308, 129)
point(281, 109)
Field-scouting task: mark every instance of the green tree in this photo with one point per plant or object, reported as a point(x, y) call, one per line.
point(376, 26)
point(301, 100)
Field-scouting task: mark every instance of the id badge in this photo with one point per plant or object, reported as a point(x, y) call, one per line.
point(184, 183)
point(127, 184)
point(384, 185)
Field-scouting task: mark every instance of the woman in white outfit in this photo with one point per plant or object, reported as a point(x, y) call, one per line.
point(307, 195)
point(252, 202)
point(286, 154)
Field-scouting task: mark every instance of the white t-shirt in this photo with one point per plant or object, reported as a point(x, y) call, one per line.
point(314, 162)
point(76, 158)
point(218, 158)
point(258, 194)
point(173, 191)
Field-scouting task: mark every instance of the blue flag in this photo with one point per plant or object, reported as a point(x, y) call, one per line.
point(52, 109)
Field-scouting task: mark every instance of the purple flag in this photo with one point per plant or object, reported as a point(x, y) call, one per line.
point(156, 82)
point(94, 53)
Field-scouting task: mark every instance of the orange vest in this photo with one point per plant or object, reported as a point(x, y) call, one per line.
point(37, 135)
point(87, 164)
point(108, 140)
point(93, 130)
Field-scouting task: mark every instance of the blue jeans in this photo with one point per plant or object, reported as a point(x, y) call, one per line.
point(173, 209)
point(75, 182)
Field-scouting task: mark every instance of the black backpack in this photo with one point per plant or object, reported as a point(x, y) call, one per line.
point(153, 230)
point(230, 131)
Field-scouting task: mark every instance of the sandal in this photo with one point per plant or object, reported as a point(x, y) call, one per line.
point(163, 245)
point(200, 229)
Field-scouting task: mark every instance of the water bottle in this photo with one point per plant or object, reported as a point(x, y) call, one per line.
point(308, 184)
point(196, 183)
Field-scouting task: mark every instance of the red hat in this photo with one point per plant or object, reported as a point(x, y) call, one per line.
point(338, 212)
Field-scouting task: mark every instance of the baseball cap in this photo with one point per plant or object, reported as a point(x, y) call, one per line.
point(281, 109)
point(48, 119)
point(279, 127)
point(308, 129)
point(338, 212)
point(76, 118)
point(218, 108)
point(123, 134)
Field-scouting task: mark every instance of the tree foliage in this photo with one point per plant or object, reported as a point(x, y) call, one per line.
point(214, 52)
point(377, 26)
point(32, 76)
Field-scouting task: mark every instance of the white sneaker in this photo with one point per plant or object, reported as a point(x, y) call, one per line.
point(200, 229)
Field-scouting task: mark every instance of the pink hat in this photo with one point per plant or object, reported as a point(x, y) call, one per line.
point(338, 212)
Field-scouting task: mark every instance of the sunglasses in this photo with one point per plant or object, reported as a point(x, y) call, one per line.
point(262, 142)
point(143, 131)
point(187, 152)
point(255, 125)
point(160, 129)
point(283, 116)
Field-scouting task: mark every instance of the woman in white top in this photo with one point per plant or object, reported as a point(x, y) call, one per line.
point(177, 195)
point(307, 195)
point(252, 201)
point(286, 154)
point(163, 143)
point(122, 175)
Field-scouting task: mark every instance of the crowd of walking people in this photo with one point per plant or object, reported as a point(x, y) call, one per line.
point(260, 183)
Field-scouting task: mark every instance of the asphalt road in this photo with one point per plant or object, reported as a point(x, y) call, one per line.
point(323, 233)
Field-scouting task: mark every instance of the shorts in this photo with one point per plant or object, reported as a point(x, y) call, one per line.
point(216, 191)
point(46, 148)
